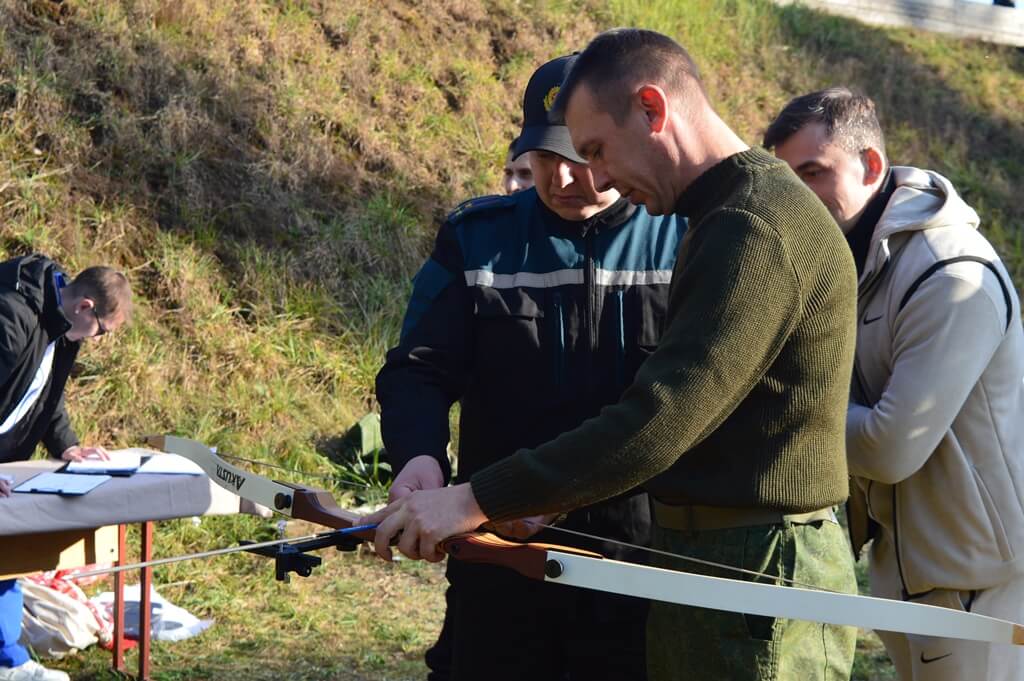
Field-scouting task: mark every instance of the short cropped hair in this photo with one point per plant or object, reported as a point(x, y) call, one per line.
point(849, 119)
point(618, 59)
point(107, 288)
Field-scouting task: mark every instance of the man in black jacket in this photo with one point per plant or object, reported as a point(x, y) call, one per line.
point(43, 320)
point(535, 310)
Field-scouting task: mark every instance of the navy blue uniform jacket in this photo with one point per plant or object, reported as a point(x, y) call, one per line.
point(535, 323)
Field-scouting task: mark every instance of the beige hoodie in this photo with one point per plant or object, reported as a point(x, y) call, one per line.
point(939, 453)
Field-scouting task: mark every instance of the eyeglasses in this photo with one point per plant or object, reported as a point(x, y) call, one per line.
point(99, 323)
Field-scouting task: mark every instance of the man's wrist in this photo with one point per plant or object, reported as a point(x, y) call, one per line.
point(470, 505)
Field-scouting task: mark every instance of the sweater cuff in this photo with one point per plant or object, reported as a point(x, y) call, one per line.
point(499, 490)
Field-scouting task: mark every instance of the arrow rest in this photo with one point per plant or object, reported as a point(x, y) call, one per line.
point(291, 557)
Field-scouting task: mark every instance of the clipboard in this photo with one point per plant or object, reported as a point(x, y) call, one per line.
point(122, 463)
point(64, 484)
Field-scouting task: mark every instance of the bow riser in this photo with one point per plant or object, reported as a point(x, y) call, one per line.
point(318, 506)
point(529, 560)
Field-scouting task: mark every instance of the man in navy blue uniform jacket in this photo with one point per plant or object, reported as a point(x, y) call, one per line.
point(535, 310)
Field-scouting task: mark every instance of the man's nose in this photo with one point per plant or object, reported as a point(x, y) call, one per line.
point(602, 180)
point(563, 175)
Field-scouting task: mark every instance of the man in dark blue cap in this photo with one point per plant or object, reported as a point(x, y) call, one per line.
point(535, 310)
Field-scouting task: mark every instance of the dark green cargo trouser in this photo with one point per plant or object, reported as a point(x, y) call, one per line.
point(694, 644)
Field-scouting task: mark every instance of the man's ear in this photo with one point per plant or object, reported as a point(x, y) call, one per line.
point(874, 165)
point(654, 104)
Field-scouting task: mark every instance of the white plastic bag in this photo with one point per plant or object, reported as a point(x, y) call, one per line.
point(168, 622)
point(56, 624)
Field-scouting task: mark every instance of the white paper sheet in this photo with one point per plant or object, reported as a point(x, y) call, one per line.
point(121, 461)
point(170, 464)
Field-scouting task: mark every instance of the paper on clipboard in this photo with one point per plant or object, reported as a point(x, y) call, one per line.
point(61, 483)
point(121, 461)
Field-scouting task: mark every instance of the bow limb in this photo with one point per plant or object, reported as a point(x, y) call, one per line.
point(558, 564)
point(295, 501)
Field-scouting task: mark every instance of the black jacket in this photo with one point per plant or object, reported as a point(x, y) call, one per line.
point(31, 319)
point(534, 323)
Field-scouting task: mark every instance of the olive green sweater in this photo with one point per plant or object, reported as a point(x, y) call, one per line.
point(744, 401)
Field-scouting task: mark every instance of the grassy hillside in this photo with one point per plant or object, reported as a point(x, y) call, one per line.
point(271, 173)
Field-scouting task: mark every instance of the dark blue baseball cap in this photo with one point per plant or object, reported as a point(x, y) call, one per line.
point(538, 130)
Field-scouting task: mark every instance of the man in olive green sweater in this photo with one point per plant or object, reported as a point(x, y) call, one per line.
point(736, 423)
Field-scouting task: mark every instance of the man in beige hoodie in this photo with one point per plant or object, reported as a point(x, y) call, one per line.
point(935, 434)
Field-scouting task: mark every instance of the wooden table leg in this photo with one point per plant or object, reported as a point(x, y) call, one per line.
point(119, 642)
point(145, 606)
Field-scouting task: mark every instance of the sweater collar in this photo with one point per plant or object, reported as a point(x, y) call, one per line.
point(706, 192)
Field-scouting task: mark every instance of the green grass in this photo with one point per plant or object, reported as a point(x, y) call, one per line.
point(271, 172)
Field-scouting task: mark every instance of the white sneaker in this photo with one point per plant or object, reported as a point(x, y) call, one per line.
point(32, 671)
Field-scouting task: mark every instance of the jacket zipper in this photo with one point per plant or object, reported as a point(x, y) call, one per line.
point(859, 377)
point(621, 356)
point(861, 294)
point(870, 284)
point(896, 547)
point(559, 341)
point(589, 284)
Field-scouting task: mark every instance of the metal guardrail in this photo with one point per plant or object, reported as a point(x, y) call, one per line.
point(1003, 25)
